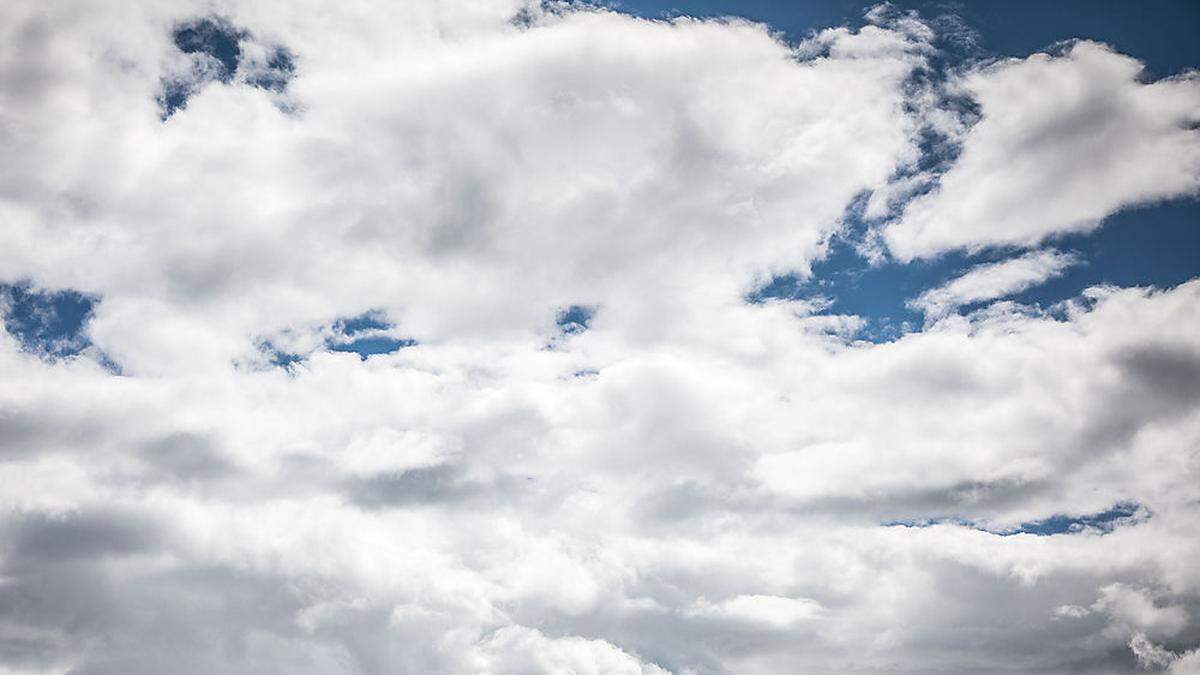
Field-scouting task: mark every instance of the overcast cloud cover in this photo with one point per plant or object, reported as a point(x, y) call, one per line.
point(415, 338)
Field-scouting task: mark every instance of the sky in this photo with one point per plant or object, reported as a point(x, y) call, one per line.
point(499, 337)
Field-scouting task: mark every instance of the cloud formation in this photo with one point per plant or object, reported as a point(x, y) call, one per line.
point(1062, 140)
point(989, 281)
point(438, 360)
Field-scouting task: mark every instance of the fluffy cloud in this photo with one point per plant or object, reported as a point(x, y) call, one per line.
point(759, 611)
point(1133, 610)
point(468, 183)
point(1152, 656)
point(682, 482)
point(1061, 141)
point(521, 650)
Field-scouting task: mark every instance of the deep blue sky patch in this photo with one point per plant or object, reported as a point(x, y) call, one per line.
point(372, 345)
point(48, 323)
point(279, 69)
point(216, 45)
point(1159, 32)
point(574, 319)
point(1104, 521)
point(367, 321)
point(366, 335)
point(212, 37)
point(1156, 245)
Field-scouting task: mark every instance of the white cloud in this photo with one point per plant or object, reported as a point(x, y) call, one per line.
point(1134, 610)
point(993, 280)
point(1150, 655)
point(1071, 611)
point(1062, 141)
point(523, 650)
point(694, 484)
point(766, 611)
point(1188, 663)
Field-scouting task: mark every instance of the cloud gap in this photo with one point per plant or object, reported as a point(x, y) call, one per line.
point(367, 334)
point(574, 319)
point(1121, 514)
point(222, 52)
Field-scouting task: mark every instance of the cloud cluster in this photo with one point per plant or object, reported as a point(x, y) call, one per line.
point(1061, 141)
point(591, 454)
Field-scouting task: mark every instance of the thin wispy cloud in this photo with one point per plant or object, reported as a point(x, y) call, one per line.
point(989, 281)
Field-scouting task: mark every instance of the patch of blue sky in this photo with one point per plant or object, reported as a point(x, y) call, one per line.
point(367, 334)
point(570, 320)
point(877, 290)
point(174, 96)
point(372, 345)
point(50, 323)
point(794, 19)
point(1103, 522)
point(574, 319)
point(279, 358)
point(367, 321)
point(213, 37)
point(219, 44)
point(1156, 245)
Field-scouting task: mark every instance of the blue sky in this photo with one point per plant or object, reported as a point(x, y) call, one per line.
point(1159, 32)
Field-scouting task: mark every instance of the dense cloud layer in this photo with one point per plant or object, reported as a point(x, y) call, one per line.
point(568, 443)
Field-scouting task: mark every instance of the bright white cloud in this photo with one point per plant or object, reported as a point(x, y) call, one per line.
point(1062, 141)
point(692, 485)
point(1153, 656)
point(522, 650)
point(468, 183)
point(763, 611)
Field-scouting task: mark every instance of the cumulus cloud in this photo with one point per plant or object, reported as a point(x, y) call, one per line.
point(574, 446)
point(508, 170)
point(1153, 656)
point(1188, 663)
point(1134, 610)
point(763, 611)
point(523, 650)
point(1062, 140)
